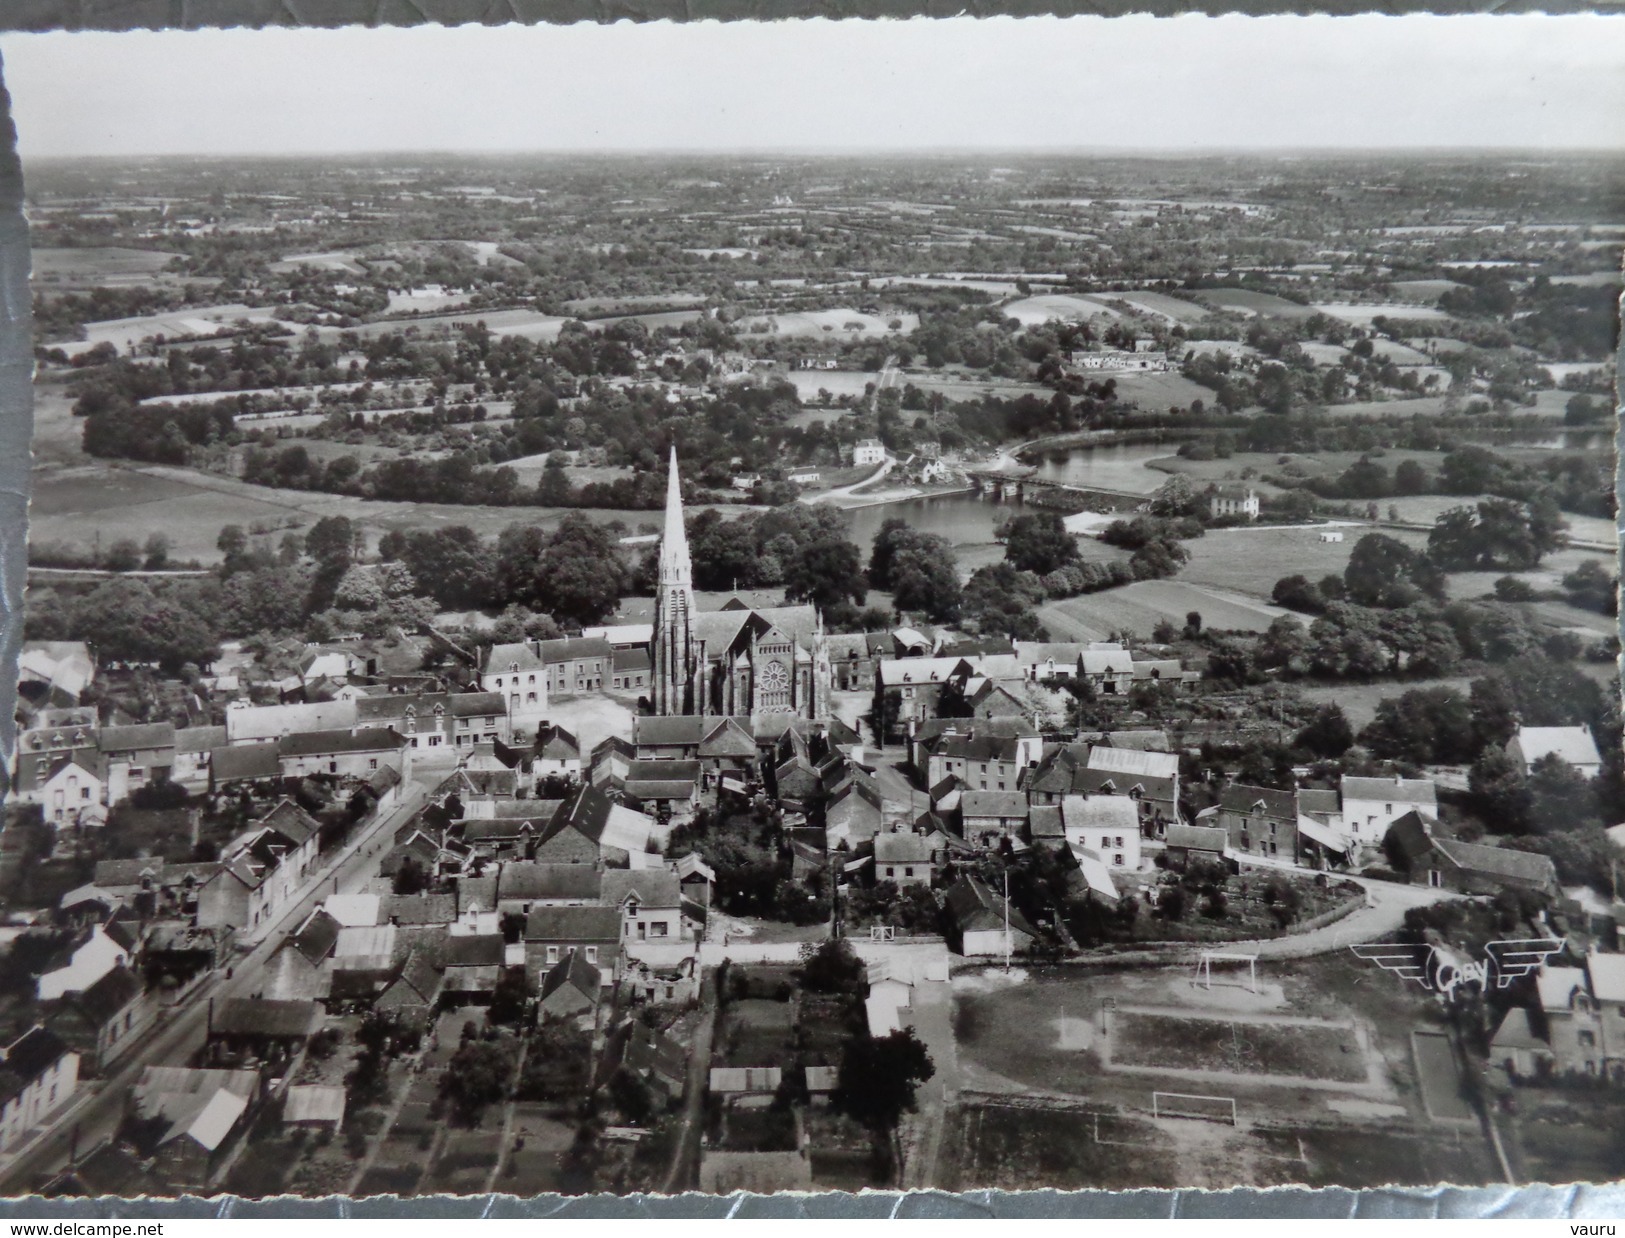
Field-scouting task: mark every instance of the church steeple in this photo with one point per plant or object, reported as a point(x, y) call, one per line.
point(676, 680)
point(675, 566)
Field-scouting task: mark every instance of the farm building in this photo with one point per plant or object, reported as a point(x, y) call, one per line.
point(1573, 745)
point(317, 1105)
point(1467, 868)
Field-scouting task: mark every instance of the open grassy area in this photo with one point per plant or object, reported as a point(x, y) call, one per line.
point(1316, 1050)
point(1246, 301)
point(1141, 606)
point(1251, 560)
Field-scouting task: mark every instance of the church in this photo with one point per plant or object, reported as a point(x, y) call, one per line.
point(730, 662)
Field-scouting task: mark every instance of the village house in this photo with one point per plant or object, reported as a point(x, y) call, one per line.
point(93, 954)
point(1370, 805)
point(592, 829)
point(266, 724)
point(38, 1075)
point(54, 673)
point(556, 753)
point(472, 968)
point(983, 761)
point(1573, 745)
point(1260, 821)
point(668, 790)
point(552, 932)
point(649, 900)
point(571, 988)
point(1229, 500)
point(1149, 778)
point(438, 719)
point(523, 885)
point(1426, 858)
point(73, 791)
point(356, 755)
point(576, 664)
point(987, 817)
point(102, 1021)
point(261, 871)
point(630, 670)
point(722, 746)
point(904, 857)
point(1107, 825)
point(519, 674)
point(193, 745)
point(134, 756)
point(985, 924)
point(868, 451)
point(187, 1121)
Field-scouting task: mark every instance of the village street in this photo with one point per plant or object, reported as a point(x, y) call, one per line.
point(93, 1118)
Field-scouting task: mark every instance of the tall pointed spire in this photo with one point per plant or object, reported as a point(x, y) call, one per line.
point(675, 566)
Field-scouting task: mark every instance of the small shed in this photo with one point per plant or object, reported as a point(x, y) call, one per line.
point(313, 1104)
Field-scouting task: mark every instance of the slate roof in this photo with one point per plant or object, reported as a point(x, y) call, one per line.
point(574, 970)
point(1240, 798)
point(1499, 861)
point(653, 887)
point(1197, 838)
point(529, 881)
point(974, 907)
point(573, 924)
point(487, 950)
point(573, 648)
point(554, 743)
point(1572, 744)
point(316, 937)
point(1100, 812)
point(253, 1016)
point(245, 763)
point(898, 847)
point(199, 738)
point(140, 736)
point(1044, 821)
point(29, 1057)
point(417, 909)
point(1134, 762)
point(1399, 790)
point(992, 804)
point(315, 743)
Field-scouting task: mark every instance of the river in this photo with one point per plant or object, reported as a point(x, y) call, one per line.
point(967, 520)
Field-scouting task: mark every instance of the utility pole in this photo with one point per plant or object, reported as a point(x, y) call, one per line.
point(1007, 917)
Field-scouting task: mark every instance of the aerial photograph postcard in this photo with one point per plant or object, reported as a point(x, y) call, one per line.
point(812, 606)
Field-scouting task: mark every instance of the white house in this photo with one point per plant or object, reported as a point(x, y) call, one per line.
point(1371, 805)
point(1573, 745)
point(519, 672)
point(1108, 825)
point(1233, 501)
point(73, 785)
point(92, 959)
point(868, 451)
point(38, 1073)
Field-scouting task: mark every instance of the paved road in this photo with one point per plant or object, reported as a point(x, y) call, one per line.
point(183, 1030)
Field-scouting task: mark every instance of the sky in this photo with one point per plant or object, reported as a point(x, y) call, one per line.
point(1137, 83)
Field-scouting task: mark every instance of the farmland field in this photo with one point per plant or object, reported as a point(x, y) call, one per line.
point(124, 333)
point(343, 261)
point(1246, 301)
point(527, 324)
point(1159, 304)
point(832, 323)
point(1160, 391)
point(1361, 315)
point(1031, 311)
point(808, 383)
point(105, 265)
point(1251, 560)
point(1141, 606)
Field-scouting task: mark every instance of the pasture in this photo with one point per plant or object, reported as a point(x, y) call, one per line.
point(342, 261)
point(1253, 304)
point(808, 383)
point(1362, 315)
point(1057, 306)
point(1139, 607)
point(834, 324)
point(1159, 391)
point(108, 266)
point(125, 333)
point(1251, 559)
point(1159, 305)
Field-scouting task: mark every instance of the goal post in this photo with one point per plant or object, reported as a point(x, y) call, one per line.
point(1185, 1105)
point(1206, 960)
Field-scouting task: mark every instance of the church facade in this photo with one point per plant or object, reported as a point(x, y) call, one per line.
point(730, 662)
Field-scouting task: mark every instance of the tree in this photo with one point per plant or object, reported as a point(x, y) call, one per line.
point(1500, 791)
point(832, 967)
point(878, 1078)
point(476, 1077)
point(1038, 542)
point(1298, 593)
point(410, 877)
point(1410, 478)
point(1590, 586)
point(1560, 797)
point(925, 578)
point(156, 552)
point(1425, 726)
point(1383, 571)
point(826, 573)
point(1284, 646)
point(631, 1096)
point(123, 555)
point(1496, 535)
point(1327, 735)
point(331, 542)
point(454, 566)
point(1176, 497)
point(1193, 624)
point(232, 541)
point(578, 578)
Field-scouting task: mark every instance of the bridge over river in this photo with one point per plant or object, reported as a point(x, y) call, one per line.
point(1025, 486)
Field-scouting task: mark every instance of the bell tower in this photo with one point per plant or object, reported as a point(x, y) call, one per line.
point(673, 654)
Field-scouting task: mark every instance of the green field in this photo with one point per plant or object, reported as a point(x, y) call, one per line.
point(1141, 606)
point(1246, 301)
